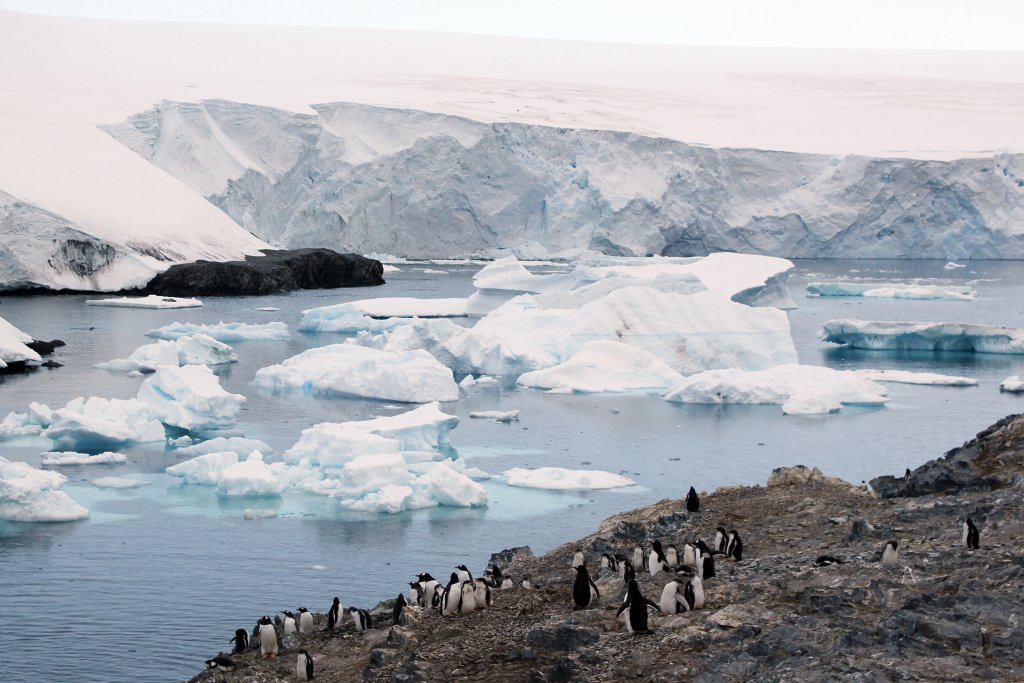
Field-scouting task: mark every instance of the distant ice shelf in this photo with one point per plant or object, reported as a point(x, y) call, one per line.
point(923, 336)
point(891, 290)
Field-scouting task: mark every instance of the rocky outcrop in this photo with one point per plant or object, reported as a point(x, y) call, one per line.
point(275, 271)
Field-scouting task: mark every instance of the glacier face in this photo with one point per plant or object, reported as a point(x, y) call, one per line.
point(360, 178)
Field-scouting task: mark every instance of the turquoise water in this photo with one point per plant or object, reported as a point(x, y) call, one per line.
point(167, 573)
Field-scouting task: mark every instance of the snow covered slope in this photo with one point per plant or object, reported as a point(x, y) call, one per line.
point(410, 183)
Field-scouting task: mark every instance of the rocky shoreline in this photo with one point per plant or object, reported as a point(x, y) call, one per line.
point(941, 612)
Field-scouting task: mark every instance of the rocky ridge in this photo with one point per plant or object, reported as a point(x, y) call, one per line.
point(940, 613)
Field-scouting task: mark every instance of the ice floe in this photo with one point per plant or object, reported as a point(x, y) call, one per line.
point(190, 397)
point(378, 315)
point(906, 377)
point(28, 494)
point(1013, 384)
point(890, 291)
point(13, 347)
point(605, 366)
point(350, 370)
point(193, 349)
point(151, 301)
point(225, 332)
point(496, 415)
point(951, 265)
point(561, 479)
point(205, 469)
point(267, 309)
point(97, 423)
point(250, 477)
point(65, 458)
point(262, 513)
point(118, 483)
point(923, 336)
point(800, 389)
point(238, 444)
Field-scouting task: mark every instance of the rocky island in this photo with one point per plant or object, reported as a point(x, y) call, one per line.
point(940, 612)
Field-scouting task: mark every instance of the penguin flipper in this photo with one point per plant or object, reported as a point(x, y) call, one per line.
point(623, 607)
point(594, 586)
point(651, 603)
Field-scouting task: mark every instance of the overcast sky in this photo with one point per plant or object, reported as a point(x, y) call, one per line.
point(900, 24)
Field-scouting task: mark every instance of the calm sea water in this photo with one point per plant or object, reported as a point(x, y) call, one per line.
point(164, 574)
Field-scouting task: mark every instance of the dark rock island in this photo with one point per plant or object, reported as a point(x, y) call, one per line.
point(275, 271)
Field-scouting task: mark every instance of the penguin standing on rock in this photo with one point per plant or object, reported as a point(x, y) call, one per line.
point(397, 609)
point(334, 614)
point(361, 618)
point(304, 666)
point(305, 620)
point(289, 623)
point(451, 600)
point(268, 638)
point(464, 574)
point(890, 552)
point(657, 560)
point(971, 535)
point(583, 588)
point(734, 549)
point(692, 501)
point(468, 602)
point(639, 559)
point(483, 593)
point(635, 605)
point(626, 571)
point(721, 539)
point(672, 601)
point(241, 641)
point(609, 561)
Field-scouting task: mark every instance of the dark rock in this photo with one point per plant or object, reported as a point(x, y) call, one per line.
point(562, 671)
point(503, 560)
point(51, 364)
point(560, 636)
point(45, 348)
point(275, 271)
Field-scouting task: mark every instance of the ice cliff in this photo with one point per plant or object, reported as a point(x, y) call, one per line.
point(355, 177)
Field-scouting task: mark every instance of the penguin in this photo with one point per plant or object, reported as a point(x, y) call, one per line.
point(493, 576)
point(583, 588)
point(304, 666)
point(672, 556)
point(305, 620)
point(906, 475)
point(692, 501)
point(241, 641)
point(626, 571)
point(526, 583)
point(430, 585)
point(734, 549)
point(577, 560)
point(361, 618)
point(221, 663)
point(464, 574)
point(483, 594)
point(656, 561)
point(451, 601)
point(268, 638)
point(890, 552)
point(610, 562)
point(695, 592)
point(506, 583)
point(437, 597)
point(468, 603)
point(334, 614)
point(289, 623)
point(707, 567)
point(826, 560)
point(397, 609)
point(689, 555)
point(635, 605)
point(971, 536)
point(672, 601)
point(721, 539)
point(639, 559)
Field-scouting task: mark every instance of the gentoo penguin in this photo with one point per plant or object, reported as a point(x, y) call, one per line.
point(890, 554)
point(526, 583)
point(692, 501)
point(361, 618)
point(626, 571)
point(464, 574)
point(577, 560)
point(304, 666)
point(493, 576)
point(689, 555)
point(241, 641)
point(451, 600)
point(397, 609)
point(672, 556)
point(639, 559)
point(221, 663)
point(305, 620)
point(583, 588)
point(289, 623)
point(971, 537)
point(334, 614)
point(734, 549)
point(826, 560)
point(609, 561)
point(506, 583)
point(721, 539)
point(672, 601)
point(656, 561)
point(430, 585)
point(268, 638)
point(635, 605)
point(468, 604)
point(695, 588)
point(707, 567)
point(483, 594)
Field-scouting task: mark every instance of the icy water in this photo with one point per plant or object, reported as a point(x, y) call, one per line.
point(163, 575)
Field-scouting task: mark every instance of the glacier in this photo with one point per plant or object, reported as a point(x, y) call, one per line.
point(891, 290)
point(922, 336)
point(355, 177)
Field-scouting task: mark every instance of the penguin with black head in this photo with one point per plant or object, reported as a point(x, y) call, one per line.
point(334, 614)
point(635, 606)
point(583, 588)
point(692, 500)
point(241, 641)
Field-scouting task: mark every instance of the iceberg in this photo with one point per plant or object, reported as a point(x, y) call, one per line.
point(444, 485)
point(378, 315)
point(249, 478)
point(190, 397)
point(561, 479)
point(97, 423)
point(118, 483)
point(238, 444)
point(28, 494)
point(923, 336)
point(194, 349)
point(890, 291)
point(905, 377)
point(350, 370)
point(151, 301)
point(225, 332)
point(605, 366)
point(64, 458)
point(496, 415)
point(205, 469)
point(1013, 384)
point(800, 389)
point(13, 347)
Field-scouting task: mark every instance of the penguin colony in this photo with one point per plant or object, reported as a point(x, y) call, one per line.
point(687, 569)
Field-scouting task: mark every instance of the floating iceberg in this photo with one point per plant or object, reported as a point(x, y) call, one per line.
point(118, 483)
point(496, 415)
point(248, 478)
point(905, 377)
point(32, 423)
point(97, 423)
point(267, 309)
point(190, 397)
point(560, 479)
point(952, 265)
point(605, 366)
point(63, 458)
point(28, 494)
point(800, 389)
point(1013, 384)
point(923, 336)
point(12, 345)
point(205, 469)
point(890, 291)
point(468, 382)
point(343, 319)
point(378, 315)
point(194, 349)
point(151, 301)
point(225, 332)
point(350, 370)
point(238, 444)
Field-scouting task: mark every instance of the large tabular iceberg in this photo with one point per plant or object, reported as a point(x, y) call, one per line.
point(194, 349)
point(12, 345)
point(225, 332)
point(801, 389)
point(605, 366)
point(349, 370)
point(560, 479)
point(31, 495)
point(923, 336)
point(891, 291)
point(190, 397)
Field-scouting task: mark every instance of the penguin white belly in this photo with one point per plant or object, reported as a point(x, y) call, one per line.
point(667, 604)
point(468, 599)
point(689, 556)
point(672, 556)
point(451, 600)
point(698, 593)
point(268, 639)
point(889, 555)
point(966, 535)
point(306, 622)
point(481, 596)
point(654, 563)
point(289, 626)
point(300, 668)
point(638, 558)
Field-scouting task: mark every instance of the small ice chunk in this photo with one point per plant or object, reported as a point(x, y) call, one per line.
point(118, 483)
point(259, 513)
point(225, 332)
point(181, 441)
point(204, 469)
point(28, 494)
point(268, 308)
point(193, 349)
point(496, 415)
point(151, 301)
point(953, 266)
point(483, 381)
point(1013, 384)
point(810, 404)
point(561, 479)
point(906, 377)
point(190, 397)
point(63, 458)
point(249, 478)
